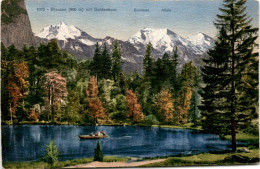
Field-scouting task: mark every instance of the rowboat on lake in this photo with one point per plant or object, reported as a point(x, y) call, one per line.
point(92, 137)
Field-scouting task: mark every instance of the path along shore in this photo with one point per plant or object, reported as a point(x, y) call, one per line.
point(115, 164)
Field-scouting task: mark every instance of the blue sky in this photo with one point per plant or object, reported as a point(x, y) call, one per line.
point(187, 17)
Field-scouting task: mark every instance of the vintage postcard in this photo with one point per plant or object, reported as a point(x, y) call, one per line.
point(129, 83)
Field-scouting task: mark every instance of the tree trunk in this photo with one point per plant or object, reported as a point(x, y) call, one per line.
point(52, 113)
point(52, 104)
point(233, 121)
point(233, 133)
point(11, 113)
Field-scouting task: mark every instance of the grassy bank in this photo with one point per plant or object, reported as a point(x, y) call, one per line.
point(204, 159)
point(60, 164)
point(184, 126)
point(249, 138)
point(210, 159)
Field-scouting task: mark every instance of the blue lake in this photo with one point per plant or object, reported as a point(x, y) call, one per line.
point(27, 142)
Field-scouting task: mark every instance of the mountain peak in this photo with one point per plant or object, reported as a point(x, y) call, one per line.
point(61, 31)
point(202, 41)
point(62, 24)
point(161, 39)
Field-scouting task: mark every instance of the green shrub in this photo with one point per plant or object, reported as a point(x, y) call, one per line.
point(51, 154)
point(252, 129)
point(151, 120)
point(98, 153)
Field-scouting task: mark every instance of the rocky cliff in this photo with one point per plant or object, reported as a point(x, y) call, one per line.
point(15, 26)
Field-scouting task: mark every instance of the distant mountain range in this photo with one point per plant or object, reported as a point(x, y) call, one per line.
point(82, 45)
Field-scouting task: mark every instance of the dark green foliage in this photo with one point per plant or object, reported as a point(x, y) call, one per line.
point(11, 10)
point(151, 120)
point(194, 112)
point(96, 62)
point(116, 61)
point(148, 62)
point(174, 73)
point(98, 153)
point(120, 108)
point(230, 73)
point(122, 83)
point(214, 96)
point(51, 154)
point(73, 108)
point(134, 80)
point(106, 69)
point(101, 66)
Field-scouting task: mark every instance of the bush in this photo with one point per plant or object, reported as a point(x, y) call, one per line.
point(51, 154)
point(252, 129)
point(151, 120)
point(98, 153)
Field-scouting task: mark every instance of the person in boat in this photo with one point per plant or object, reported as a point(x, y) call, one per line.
point(92, 134)
point(97, 134)
point(102, 132)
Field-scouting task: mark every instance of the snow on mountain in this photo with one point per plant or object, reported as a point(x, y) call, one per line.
point(202, 41)
point(82, 45)
point(61, 31)
point(163, 40)
point(157, 37)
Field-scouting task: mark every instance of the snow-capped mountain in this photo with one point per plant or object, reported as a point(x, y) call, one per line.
point(202, 41)
point(165, 40)
point(61, 31)
point(82, 45)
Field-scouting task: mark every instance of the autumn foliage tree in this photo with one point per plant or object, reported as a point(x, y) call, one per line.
point(33, 115)
point(17, 85)
point(96, 110)
point(183, 105)
point(163, 105)
point(55, 89)
point(134, 108)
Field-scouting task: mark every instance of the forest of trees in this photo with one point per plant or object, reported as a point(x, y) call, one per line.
point(47, 84)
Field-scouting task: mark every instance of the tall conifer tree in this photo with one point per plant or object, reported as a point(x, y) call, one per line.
point(116, 61)
point(228, 72)
point(96, 63)
point(106, 63)
point(148, 62)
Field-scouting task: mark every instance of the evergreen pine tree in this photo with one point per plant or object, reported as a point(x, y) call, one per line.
point(98, 153)
point(227, 72)
point(174, 71)
point(106, 63)
point(148, 62)
point(96, 63)
point(116, 61)
point(148, 80)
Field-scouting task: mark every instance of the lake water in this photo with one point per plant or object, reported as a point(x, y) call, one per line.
point(27, 142)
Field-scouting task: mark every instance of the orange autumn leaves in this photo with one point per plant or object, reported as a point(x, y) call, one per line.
point(17, 85)
point(184, 105)
point(96, 110)
point(134, 108)
point(164, 106)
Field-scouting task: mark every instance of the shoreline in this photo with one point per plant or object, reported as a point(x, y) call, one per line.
point(206, 158)
point(198, 128)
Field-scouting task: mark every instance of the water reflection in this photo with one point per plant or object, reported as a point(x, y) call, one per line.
point(27, 142)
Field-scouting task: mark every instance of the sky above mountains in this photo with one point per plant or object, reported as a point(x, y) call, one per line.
point(185, 17)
